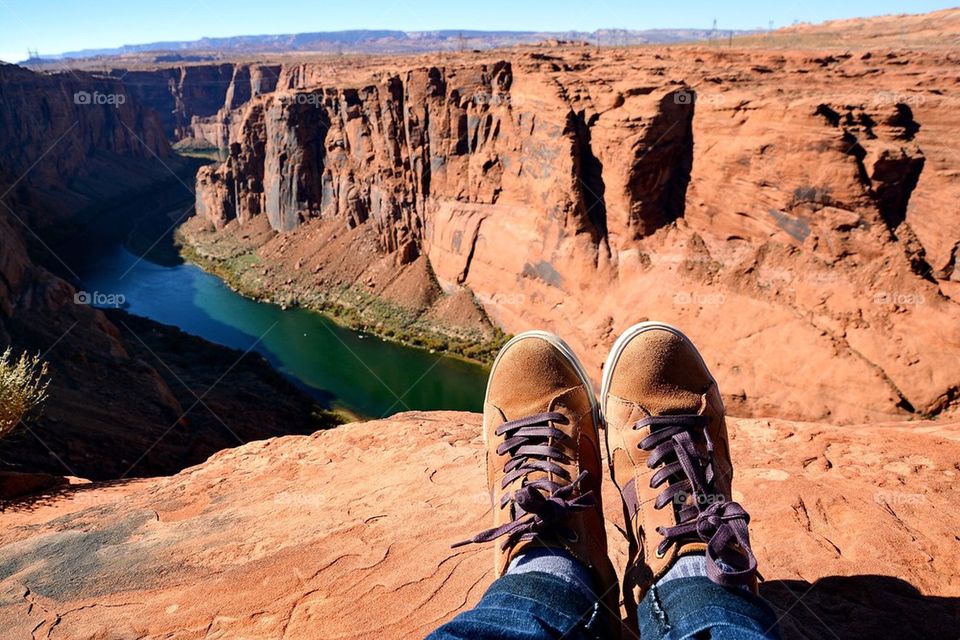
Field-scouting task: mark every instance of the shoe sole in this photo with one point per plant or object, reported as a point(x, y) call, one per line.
point(556, 342)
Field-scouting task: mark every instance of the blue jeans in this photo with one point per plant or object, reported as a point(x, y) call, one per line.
point(536, 606)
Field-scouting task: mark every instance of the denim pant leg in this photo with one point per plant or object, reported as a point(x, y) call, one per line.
point(685, 607)
point(528, 606)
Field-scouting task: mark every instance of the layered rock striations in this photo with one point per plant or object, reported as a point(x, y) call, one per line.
point(792, 211)
point(54, 128)
point(58, 134)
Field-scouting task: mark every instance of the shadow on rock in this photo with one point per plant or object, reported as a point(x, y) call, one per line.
point(861, 607)
point(22, 492)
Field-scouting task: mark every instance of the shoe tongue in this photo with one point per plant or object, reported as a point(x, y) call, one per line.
point(666, 377)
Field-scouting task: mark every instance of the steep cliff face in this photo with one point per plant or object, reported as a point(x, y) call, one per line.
point(53, 126)
point(13, 265)
point(386, 153)
point(411, 156)
point(785, 208)
point(193, 100)
point(390, 152)
point(121, 393)
point(63, 138)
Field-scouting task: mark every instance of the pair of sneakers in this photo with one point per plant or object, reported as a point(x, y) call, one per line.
point(667, 451)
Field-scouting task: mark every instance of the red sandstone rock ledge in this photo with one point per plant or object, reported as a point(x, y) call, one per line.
point(346, 533)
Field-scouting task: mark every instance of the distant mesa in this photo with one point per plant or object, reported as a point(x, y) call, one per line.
point(384, 41)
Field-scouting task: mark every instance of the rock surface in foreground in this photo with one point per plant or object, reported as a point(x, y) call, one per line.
point(346, 534)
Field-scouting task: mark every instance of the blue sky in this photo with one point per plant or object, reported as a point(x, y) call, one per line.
point(52, 26)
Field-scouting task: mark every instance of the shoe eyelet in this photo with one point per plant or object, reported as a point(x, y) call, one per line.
point(571, 536)
point(660, 555)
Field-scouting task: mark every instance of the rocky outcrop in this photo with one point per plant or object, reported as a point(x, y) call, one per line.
point(784, 207)
point(132, 397)
point(854, 529)
point(399, 158)
point(384, 153)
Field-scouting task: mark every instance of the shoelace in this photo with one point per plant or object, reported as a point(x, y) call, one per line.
point(541, 506)
point(721, 523)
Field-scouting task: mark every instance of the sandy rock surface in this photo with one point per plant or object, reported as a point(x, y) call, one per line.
point(346, 534)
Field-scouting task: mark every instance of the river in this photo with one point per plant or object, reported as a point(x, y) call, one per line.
point(342, 368)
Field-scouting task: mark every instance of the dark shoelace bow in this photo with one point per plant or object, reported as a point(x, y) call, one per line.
point(541, 505)
point(703, 516)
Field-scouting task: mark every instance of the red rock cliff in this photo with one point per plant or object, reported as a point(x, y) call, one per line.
point(71, 142)
point(192, 99)
point(56, 130)
point(788, 209)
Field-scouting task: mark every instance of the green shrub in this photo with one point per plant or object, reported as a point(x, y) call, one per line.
point(23, 388)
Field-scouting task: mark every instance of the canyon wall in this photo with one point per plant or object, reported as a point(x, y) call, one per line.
point(192, 100)
point(121, 399)
point(795, 212)
point(58, 135)
point(58, 129)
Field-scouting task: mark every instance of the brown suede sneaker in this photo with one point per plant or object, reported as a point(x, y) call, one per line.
point(668, 455)
point(540, 426)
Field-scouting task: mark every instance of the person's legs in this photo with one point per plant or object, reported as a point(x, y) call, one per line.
point(693, 606)
point(691, 568)
point(540, 426)
point(542, 595)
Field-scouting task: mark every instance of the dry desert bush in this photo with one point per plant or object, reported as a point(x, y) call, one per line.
point(23, 388)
